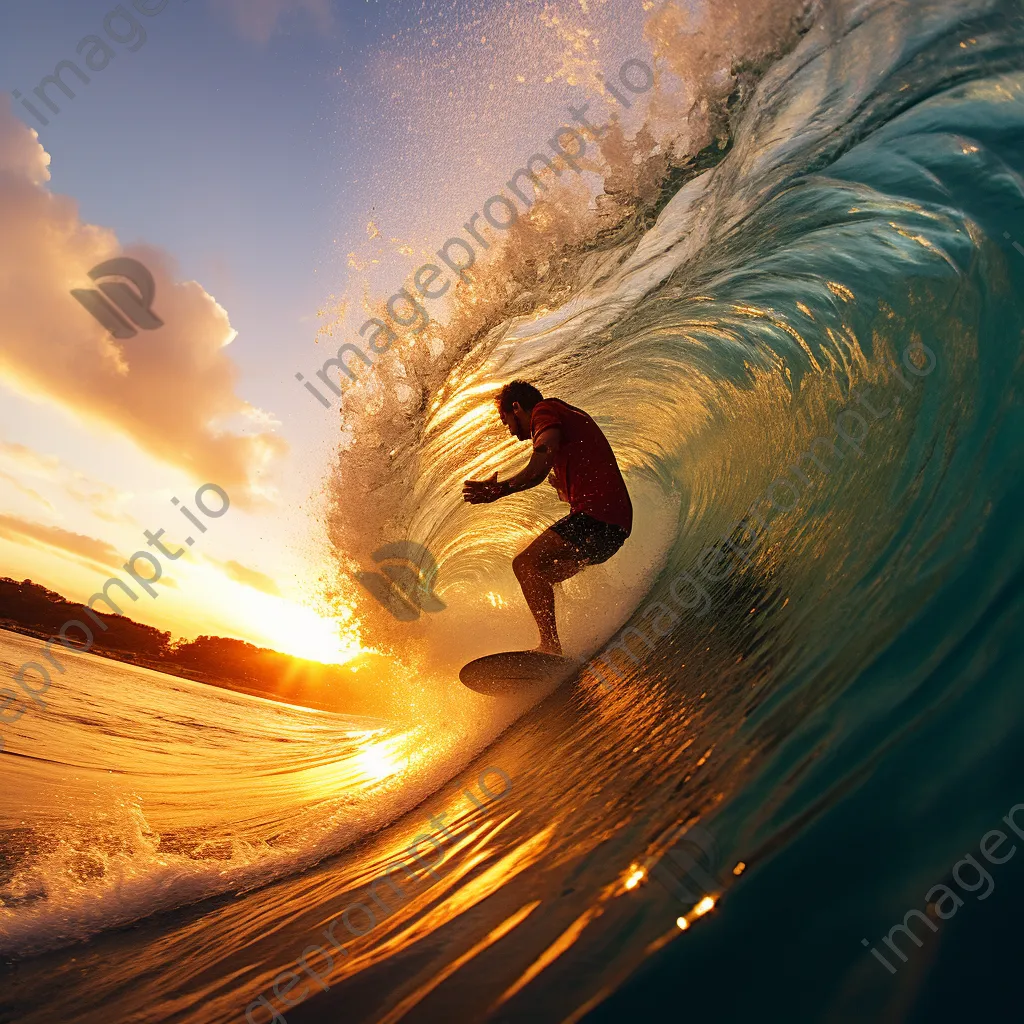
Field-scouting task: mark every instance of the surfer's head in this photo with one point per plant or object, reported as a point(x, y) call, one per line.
point(515, 405)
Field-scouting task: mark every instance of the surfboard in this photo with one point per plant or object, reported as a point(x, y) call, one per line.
point(510, 671)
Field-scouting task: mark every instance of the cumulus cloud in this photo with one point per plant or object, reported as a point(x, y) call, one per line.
point(170, 390)
point(257, 19)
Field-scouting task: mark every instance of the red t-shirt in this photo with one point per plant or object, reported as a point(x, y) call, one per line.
point(585, 465)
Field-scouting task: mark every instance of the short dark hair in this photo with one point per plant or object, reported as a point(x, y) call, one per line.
point(518, 391)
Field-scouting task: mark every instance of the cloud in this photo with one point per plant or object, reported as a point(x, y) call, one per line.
point(93, 551)
point(249, 577)
point(101, 499)
point(170, 390)
point(257, 20)
point(25, 458)
point(27, 491)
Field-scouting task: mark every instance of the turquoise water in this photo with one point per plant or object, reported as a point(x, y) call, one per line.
point(842, 715)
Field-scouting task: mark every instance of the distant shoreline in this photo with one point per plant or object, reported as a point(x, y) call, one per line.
point(362, 686)
point(167, 669)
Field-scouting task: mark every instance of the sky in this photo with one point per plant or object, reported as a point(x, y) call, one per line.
point(271, 163)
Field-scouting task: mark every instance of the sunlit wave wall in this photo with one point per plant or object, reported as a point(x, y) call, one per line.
point(765, 249)
point(573, 296)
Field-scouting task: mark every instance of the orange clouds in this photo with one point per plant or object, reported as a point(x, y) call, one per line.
point(88, 549)
point(248, 577)
point(26, 490)
point(170, 390)
point(100, 498)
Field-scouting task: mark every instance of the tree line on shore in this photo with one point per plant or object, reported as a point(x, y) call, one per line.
point(27, 607)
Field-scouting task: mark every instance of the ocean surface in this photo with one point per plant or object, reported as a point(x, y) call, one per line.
point(835, 725)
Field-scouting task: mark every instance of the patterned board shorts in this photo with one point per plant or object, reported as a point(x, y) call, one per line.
point(594, 541)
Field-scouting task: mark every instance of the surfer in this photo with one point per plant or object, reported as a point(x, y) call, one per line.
point(570, 446)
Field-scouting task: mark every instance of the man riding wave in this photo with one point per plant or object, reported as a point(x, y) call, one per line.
point(571, 447)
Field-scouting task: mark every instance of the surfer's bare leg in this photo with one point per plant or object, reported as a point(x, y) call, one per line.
point(550, 559)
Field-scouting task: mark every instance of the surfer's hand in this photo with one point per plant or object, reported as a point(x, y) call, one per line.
point(481, 492)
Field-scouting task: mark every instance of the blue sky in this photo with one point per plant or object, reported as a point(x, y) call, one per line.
point(246, 218)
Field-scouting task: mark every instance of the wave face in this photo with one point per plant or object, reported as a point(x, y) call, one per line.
point(818, 337)
point(860, 210)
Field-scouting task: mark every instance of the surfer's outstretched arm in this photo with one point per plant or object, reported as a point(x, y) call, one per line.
point(478, 492)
